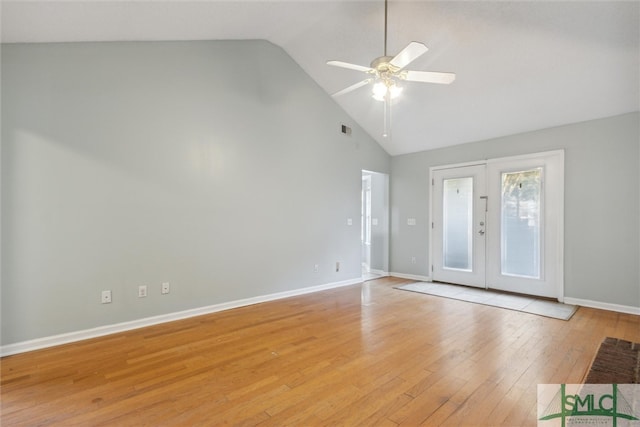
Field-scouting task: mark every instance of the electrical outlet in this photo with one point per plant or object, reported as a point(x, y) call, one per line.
point(413, 260)
point(142, 291)
point(165, 288)
point(316, 268)
point(337, 266)
point(106, 297)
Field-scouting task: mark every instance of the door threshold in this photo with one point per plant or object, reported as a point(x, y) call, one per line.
point(541, 306)
point(498, 291)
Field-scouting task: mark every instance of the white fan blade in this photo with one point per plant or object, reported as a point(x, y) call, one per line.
point(428, 77)
point(408, 55)
point(353, 87)
point(350, 66)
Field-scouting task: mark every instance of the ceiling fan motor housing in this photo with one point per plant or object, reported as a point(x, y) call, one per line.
point(383, 65)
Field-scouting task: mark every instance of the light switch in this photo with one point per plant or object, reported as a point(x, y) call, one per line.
point(374, 221)
point(349, 221)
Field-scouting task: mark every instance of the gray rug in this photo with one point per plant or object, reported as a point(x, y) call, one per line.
point(522, 303)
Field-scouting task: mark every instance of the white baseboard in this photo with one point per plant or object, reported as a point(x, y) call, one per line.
point(40, 343)
point(411, 276)
point(379, 272)
point(603, 305)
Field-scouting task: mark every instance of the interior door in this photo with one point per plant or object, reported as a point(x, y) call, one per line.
point(459, 208)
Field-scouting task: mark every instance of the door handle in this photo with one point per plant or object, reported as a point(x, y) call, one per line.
point(481, 232)
point(486, 202)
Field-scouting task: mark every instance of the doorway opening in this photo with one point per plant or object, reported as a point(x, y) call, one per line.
point(374, 223)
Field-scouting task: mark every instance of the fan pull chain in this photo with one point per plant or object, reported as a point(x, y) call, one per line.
point(386, 133)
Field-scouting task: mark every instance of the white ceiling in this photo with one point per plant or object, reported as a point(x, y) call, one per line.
point(520, 65)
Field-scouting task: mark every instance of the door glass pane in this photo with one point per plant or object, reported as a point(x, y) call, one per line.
point(520, 228)
point(458, 223)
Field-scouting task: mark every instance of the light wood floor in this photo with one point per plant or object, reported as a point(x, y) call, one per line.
point(360, 355)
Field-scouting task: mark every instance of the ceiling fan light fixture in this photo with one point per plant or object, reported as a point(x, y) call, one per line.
point(381, 89)
point(395, 91)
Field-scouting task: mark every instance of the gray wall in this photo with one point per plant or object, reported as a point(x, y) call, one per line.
point(216, 166)
point(602, 205)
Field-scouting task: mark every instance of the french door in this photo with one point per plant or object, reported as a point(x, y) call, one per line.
point(459, 219)
point(499, 224)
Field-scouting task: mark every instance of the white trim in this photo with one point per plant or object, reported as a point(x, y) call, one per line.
point(54, 340)
point(603, 305)
point(457, 165)
point(411, 276)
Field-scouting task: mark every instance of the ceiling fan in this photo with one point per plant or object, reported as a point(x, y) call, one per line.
point(386, 72)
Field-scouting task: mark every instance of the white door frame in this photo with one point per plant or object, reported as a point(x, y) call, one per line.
point(366, 222)
point(379, 223)
point(556, 175)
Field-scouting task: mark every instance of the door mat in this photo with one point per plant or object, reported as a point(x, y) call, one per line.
point(509, 301)
point(616, 362)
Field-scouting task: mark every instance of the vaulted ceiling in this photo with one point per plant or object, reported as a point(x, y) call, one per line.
point(520, 66)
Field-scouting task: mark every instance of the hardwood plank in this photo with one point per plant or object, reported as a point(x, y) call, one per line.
point(422, 406)
point(329, 358)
